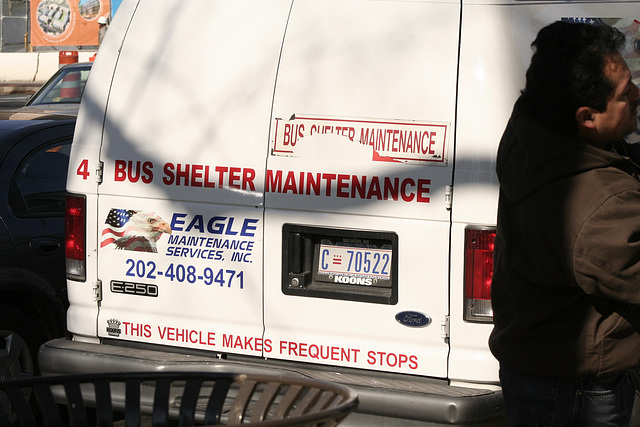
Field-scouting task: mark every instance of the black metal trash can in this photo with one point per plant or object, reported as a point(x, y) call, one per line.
point(173, 399)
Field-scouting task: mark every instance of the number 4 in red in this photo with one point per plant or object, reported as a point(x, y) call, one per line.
point(83, 169)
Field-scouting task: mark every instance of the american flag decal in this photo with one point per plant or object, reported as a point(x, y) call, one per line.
point(119, 217)
point(133, 230)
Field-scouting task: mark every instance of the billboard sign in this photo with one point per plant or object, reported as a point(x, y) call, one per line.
point(66, 22)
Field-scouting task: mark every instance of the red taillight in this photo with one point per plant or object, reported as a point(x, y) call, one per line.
point(75, 237)
point(478, 271)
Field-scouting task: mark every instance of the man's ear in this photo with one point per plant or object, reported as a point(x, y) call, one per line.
point(585, 117)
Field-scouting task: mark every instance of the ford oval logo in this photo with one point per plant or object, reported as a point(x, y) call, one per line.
point(413, 319)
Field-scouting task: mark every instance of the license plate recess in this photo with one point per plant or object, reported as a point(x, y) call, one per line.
point(356, 265)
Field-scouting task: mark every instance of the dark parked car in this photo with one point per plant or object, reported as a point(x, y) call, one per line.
point(34, 156)
point(58, 98)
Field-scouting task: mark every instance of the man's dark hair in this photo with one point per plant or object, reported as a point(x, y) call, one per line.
point(567, 72)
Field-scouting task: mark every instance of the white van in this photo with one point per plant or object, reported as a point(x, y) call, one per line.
point(301, 187)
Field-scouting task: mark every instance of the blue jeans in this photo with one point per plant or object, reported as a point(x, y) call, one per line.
point(537, 401)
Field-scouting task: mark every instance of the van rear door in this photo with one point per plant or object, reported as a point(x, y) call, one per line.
point(357, 220)
point(184, 153)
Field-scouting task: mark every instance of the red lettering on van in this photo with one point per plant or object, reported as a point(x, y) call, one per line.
point(348, 186)
point(319, 351)
point(184, 335)
point(423, 188)
point(246, 343)
point(133, 171)
point(195, 175)
point(292, 133)
point(392, 360)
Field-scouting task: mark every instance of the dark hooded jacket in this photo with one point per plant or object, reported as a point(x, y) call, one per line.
point(566, 283)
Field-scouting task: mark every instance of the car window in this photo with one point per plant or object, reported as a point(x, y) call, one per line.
point(39, 184)
point(66, 88)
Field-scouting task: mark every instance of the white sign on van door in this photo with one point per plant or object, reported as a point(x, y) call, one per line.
point(411, 142)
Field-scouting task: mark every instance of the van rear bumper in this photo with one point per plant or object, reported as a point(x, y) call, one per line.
point(391, 396)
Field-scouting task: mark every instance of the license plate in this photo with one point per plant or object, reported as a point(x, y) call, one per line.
point(354, 261)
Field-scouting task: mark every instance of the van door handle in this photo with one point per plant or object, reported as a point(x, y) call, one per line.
point(44, 245)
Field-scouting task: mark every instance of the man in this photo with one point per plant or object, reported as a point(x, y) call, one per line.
point(102, 28)
point(566, 284)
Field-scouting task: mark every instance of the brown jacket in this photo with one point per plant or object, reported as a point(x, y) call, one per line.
point(566, 283)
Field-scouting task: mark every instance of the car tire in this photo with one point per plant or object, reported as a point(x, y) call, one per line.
point(20, 339)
